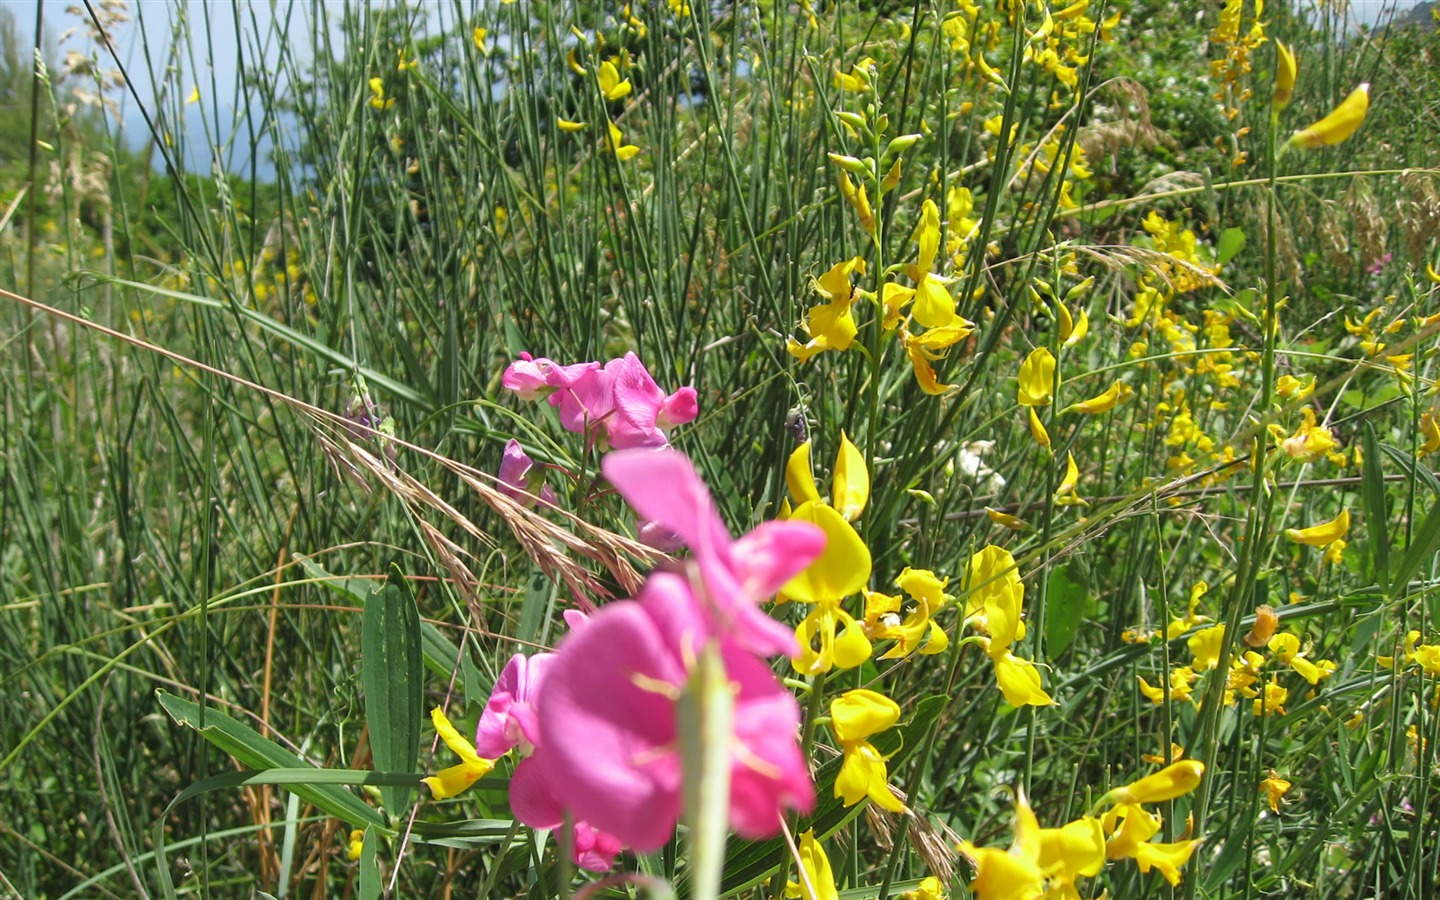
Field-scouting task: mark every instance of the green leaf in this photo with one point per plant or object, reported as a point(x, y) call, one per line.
point(1424, 543)
point(1066, 606)
point(1232, 241)
point(1372, 500)
point(391, 674)
point(253, 751)
point(370, 886)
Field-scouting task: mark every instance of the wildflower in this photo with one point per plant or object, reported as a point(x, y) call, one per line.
point(622, 150)
point(1338, 125)
point(478, 37)
point(1165, 858)
point(1037, 428)
point(1266, 621)
point(737, 574)
point(996, 607)
point(356, 845)
point(929, 888)
point(831, 326)
point(1175, 780)
point(1274, 787)
point(567, 125)
point(1182, 679)
point(854, 717)
point(1006, 520)
point(510, 722)
point(618, 404)
point(817, 880)
point(469, 770)
point(378, 100)
point(1037, 378)
point(1205, 646)
point(1065, 494)
point(934, 307)
point(611, 84)
point(515, 481)
point(1285, 70)
point(1073, 851)
point(1323, 534)
point(859, 200)
point(1271, 701)
point(1310, 441)
point(927, 590)
point(842, 569)
point(609, 719)
point(1103, 402)
point(1012, 874)
point(857, 81)
point(1286, 648)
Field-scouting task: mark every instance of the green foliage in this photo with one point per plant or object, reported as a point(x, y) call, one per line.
point(304, 394)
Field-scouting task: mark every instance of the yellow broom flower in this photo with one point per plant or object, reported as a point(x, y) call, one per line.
point(1336, 127)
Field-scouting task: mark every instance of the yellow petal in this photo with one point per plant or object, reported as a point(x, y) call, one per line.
point(456, 779)
point(852, 481)
point(842, 569)
point(799, 477)
point(1103, 402)
point(1338, 125)
point(1037, 378)
point(1285, 70)
point(1167, 858)
point(819, 880)
point(1175, 780)
point(457, 744)
point(1037, 429)
point(567, 125)
point(1019, 681)
point(1076, 850)
point(1006, 520)
point(856, 715)
point(1071, 479)
point(1322, 534)
point(863, 774)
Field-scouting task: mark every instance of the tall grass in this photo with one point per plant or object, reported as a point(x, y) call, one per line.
point(167, 525)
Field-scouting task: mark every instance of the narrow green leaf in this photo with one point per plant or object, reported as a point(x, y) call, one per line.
point(370, 886)
point(253, 751)
point(1372, 500)
point(391, 674)
point(1424, 543)
point(1065, 609)
point(707, 719)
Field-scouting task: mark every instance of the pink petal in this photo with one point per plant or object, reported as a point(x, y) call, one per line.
point(680, 408)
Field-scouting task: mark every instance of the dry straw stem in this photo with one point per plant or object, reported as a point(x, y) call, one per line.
point(549, 544)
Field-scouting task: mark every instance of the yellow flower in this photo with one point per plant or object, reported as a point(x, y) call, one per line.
point(1338, 125)
point(1037, 378)
point(1205, 646)
point(995, 606)
point(1037, 428)
point(859, 200)
point(1104, 402)
point(831, 326)
point(817, 880)
point(929, 888)
point(567, 125)
point(1065, 494)
point(1272, 702)
point(378, 100)
point(928, 591)
point(356, 845)
point(854, 717)
point(858, 81)
point(1285, 70)
point(1019, 681)
point(1006, 520)
point(622, 150)
point(1310, 441)
point(1166, 858)
point(478, 36)
point(1274, 787)
point(471, 768)
point(610, 82)
point(1175, 780)
point(1012, 874)
point(1070, 852)
point(1323, 534)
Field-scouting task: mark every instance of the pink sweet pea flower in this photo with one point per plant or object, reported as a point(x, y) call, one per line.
point(515, 480)
point(509, 722)
point(608, 723)
point(663, 488)
point(642, 412)
point(534, 378)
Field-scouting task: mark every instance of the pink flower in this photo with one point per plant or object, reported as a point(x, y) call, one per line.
point(664, 489)
point(619, 404)
point(509, 722)
point(608, 722)
point(515, 480)
point(535, 378)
